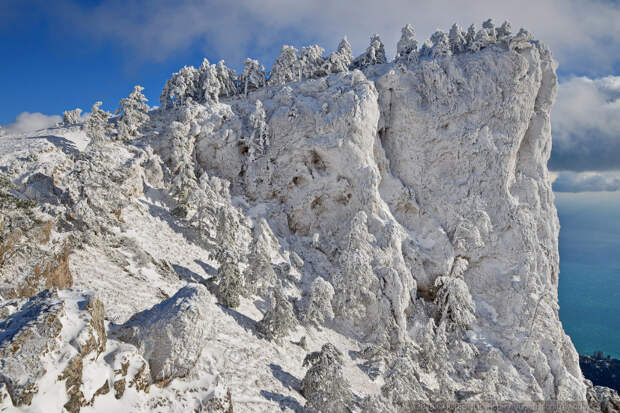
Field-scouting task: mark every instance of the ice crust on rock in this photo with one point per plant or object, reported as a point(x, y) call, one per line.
point(401, 211)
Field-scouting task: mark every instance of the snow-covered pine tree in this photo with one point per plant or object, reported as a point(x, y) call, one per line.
point(470, 37)
point(226, 236)
point(280, 319)
point(183, 85)
point(455, 305)
point(407, 46)
point(72, 117)
point(355, 282)
point(285, 68)
point(228, 80)
point(97, 124)
point(259, 275)
point(311, 61)
point(324, 385)
point(489, 25)
point(374, 54)
point(457, 40)
point(208, 83)
point(259, 139)
point(319, 305)
point(229, 287)
point(504, 30)
point(441, 44)
point(253, 76)
point(340, 60)
point(134, 114)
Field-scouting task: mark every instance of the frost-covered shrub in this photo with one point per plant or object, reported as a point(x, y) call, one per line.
point(229, 285)
point(253, 76)
point(407, 46)
point(97, 124)
point(319, 305)
point(134, 114)
point(454, 302)
point(285, 68)
point(72, 117)
point(374, 54)
point(340, 60)
point(280, 319)
point(324, 386)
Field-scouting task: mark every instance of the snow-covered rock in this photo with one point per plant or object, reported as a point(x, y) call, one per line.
point(171, 335)
point(403, 210)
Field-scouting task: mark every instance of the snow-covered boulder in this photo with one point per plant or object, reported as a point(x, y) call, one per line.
point(171, 335)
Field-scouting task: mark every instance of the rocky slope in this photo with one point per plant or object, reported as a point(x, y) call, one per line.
point(400, 211)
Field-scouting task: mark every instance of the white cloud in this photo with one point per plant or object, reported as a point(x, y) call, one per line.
point(28, 122)
point(586, 182)
point(586, 125)
point(583, 34)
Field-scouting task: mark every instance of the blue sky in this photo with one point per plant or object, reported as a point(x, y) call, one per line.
point(62, 54)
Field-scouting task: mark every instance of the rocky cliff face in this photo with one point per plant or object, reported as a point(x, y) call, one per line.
point(417, 191)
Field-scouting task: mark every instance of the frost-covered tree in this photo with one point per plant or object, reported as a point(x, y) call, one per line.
point(355, 282)
point(134, 114)
point(470, 37)
point(253, 76)
point(72, 117)
point(319, 305)
point(311, 61)
point(280, 319)
point(483, 39)
point(259, 275)
point(504, 30)
point(208, 83)
point(228, 80)
point(489, 25)
point(455, 305)
point(407, 46)
point(441, 44)
point(285, 68)
point(340, 60)
point(426, 49)
point(259, 139)
point(97, 124)
point(181, 86)
point(457, 39)
point(324, 385)
point(226, 236)
point(229, 286)
point(374, 54)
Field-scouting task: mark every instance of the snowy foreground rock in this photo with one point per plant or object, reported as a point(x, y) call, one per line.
point(343, 234)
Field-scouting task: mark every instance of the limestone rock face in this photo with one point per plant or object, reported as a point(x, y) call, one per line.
point(402, 210)
point(171, 335)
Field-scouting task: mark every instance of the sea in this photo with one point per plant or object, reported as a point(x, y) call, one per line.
point(589, 282)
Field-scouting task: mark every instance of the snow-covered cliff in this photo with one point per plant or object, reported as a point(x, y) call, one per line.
point(189, 257)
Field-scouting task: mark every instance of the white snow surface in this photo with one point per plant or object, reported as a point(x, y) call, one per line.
point(379, 181)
